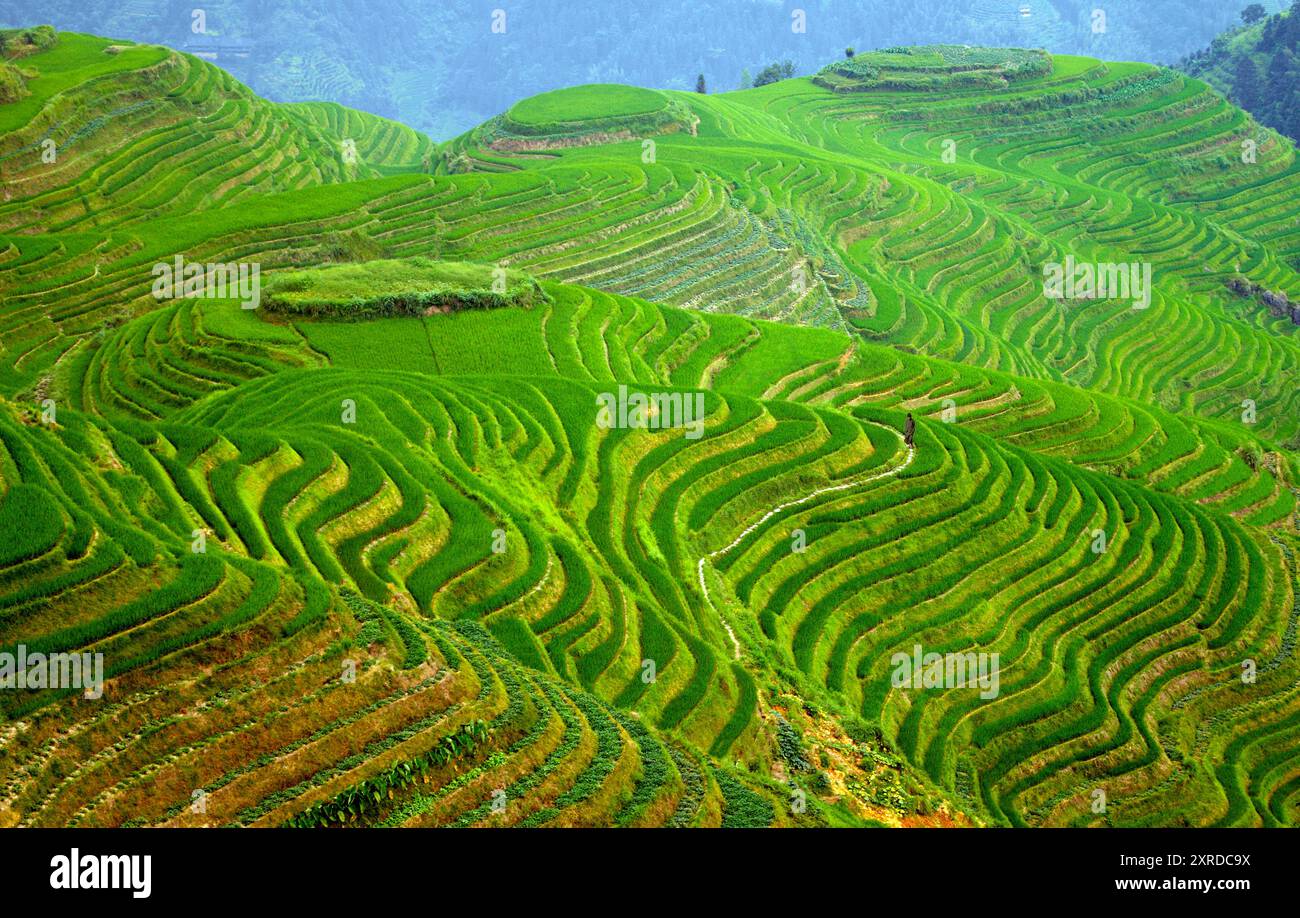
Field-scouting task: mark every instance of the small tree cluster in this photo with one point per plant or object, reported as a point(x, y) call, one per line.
point(774, 73)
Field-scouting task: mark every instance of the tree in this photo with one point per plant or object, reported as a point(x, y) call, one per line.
point(746, 81)
point(849, 52)
point(4, 44)
point(1279, 68)
point(773, 73)
point(1246, 83)
point(699, 85)
point(1288, 117)
point(1253, 13)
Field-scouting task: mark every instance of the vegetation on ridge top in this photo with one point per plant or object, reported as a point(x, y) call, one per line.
point(936, 67)
point(389, 287)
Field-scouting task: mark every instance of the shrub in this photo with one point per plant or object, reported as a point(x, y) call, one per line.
point(43, 37)
point(353, 245)
point(12, 85)
point(774, 73)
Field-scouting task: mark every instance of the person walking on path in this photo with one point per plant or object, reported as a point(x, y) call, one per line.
point(909, 431)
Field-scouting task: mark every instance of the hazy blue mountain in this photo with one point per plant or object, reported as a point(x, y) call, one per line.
point(429, 65)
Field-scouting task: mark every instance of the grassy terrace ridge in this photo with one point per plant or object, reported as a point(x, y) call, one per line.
point(236, 506)
point(934, 67)
point(389, 287)
point(596, 102)
point(574, 117)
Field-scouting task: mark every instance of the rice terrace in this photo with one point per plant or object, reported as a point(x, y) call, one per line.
point(910, 443)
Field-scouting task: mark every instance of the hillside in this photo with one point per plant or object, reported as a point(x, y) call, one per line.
point(432, 565)
point(134, 132)
point(1255, 66)
point(445, 68)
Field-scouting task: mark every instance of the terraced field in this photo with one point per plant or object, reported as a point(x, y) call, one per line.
point(402, 572)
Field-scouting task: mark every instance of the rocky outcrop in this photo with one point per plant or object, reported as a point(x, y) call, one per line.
point(1278, 304)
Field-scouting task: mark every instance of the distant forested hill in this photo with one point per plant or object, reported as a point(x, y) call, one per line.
point(441, 68)
point(1256, 66)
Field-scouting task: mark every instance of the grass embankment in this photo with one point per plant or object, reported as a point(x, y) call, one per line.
point(389, 288)
point(935, 67)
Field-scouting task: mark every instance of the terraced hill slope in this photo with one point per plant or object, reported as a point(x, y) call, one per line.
point(441, 69)
point(404, 571)
point(112, 134)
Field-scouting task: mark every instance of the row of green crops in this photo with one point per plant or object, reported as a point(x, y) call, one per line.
point(364, 799)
